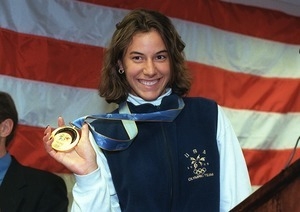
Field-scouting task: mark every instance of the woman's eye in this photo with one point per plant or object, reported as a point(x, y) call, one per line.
point(137, 58)
point(161, 57)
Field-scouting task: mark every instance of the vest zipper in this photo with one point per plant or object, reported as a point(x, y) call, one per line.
point(169, 159)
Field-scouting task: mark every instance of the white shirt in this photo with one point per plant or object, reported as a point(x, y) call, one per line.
point(96, 192)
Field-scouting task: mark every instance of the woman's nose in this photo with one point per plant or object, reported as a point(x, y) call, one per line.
point(149, 69)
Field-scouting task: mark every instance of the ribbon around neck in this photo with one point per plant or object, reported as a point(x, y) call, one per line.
point(128, 120)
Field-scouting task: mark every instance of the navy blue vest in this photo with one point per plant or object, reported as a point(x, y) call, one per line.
point(170, 166)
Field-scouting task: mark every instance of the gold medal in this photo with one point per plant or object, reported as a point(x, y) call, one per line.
point(64, 138)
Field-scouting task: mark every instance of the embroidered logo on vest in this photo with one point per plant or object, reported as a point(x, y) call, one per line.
point(198, 165)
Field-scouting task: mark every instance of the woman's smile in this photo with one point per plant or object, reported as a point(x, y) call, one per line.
point(147, 66)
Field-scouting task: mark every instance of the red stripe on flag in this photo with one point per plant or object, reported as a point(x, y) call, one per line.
point(237, 18)
point(263, 165)
point(28, 148)
point(73, 64)
point(245, 91)
point(49, 60)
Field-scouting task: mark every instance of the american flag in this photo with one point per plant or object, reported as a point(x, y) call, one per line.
point(243, 54)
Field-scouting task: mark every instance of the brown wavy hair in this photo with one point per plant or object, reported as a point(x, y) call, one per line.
point(114, 86)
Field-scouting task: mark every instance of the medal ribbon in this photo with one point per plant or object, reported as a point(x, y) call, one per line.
point(128, 120)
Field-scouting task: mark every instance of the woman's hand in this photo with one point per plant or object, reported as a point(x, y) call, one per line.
point(80, 160)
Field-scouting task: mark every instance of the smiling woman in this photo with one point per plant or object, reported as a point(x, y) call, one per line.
point(175, 159)
point(146, 65)
point(153, 49)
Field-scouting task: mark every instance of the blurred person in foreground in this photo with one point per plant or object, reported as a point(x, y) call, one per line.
point(22, 188)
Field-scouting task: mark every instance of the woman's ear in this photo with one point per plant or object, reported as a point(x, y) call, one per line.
point(120, 65)
point(6, 127)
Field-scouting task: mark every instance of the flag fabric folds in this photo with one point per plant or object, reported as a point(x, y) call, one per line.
point(244, 57)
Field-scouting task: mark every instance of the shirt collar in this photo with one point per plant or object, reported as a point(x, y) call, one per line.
point(4, 164)
point(139, 101)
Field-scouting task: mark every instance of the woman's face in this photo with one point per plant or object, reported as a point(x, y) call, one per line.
point(147, 66)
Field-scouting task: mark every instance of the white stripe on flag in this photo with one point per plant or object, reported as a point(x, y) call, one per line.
point(264, 130)
point(40, 104)
point(44, 102)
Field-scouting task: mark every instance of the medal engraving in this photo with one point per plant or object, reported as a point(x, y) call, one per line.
point(64, 138)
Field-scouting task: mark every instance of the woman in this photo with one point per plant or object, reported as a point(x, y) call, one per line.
point(190, 162)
